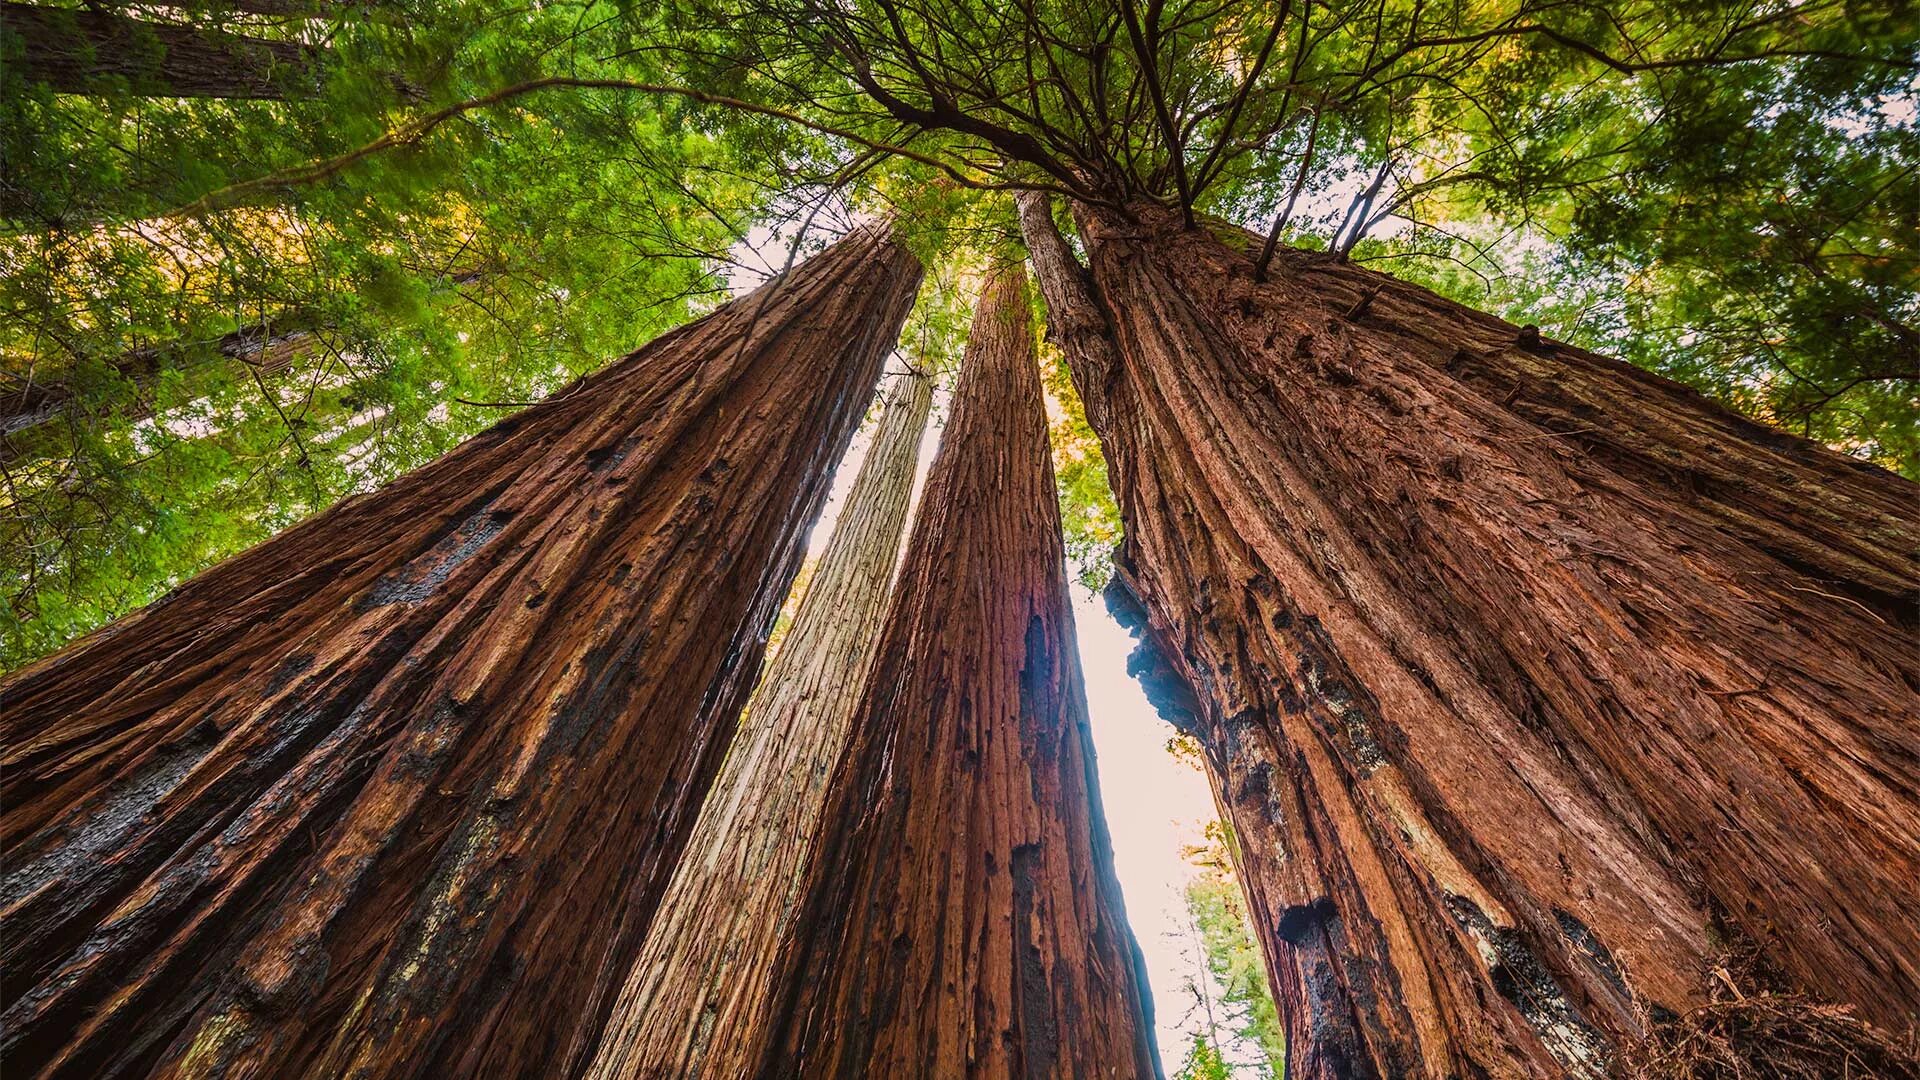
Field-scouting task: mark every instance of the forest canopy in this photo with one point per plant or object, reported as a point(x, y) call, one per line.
point(225, 307)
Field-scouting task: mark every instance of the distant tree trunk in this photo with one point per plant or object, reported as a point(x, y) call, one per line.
point(26, 403)
point(700, 986)
point(395, 793)
point(386, 11)
point(271, 346)
point(1523, 674)
point(74, 49)
point(962, 918)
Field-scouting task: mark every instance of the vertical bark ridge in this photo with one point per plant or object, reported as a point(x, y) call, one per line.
point(962, 917)
point(395, 793)
point(700, 985)
point(1518, 669)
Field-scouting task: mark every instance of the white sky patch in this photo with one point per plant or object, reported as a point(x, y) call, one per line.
point(768, 247)
point(1895, 111)
point(1157, 806)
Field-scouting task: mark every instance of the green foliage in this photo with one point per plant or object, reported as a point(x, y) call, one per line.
point(1722, 191)
point(1245, 1008)
point(1203, 1062)
point(1089, 518)
point(435, 286)
point(1750, 229)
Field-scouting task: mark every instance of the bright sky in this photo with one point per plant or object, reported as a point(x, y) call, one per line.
point(1157, 806)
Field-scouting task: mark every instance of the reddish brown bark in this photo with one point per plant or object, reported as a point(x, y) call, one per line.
point(700, 986)
point(1524, 675)
point(962, 917)
point(78, 50)
point(395, 793)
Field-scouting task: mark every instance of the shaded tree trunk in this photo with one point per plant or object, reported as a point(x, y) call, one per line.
point(700, 987)
point(395, 793)
point(271, 346)
point(962, 917)
point(1527, 678)
point(75, 50)
point(26, 403)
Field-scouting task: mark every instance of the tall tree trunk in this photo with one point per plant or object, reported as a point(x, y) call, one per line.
point(1523, 674)
point(962, 918)
point(26, 403)
point(395, 793)
point(700, 986)
point(271, 346)
point(74, 50)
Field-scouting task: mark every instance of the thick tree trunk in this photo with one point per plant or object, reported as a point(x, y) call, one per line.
point(700, 987)
point(962, 918)
point(75, 50)
point(395, 794)
point(1524, 675)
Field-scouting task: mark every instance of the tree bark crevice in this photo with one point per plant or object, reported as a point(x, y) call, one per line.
point(396, 792)
point(962, 918)
point(1516, 666)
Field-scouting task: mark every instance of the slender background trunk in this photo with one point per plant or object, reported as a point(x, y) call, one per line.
point(75, 50)
point(395, 793)
point(962, 918)
point(26, 404)
point(1529, 681)
point(700, 986)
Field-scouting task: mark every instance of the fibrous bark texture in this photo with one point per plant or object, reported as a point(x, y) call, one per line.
point(1523, 674)
point(77, 50)
point(396, 793)
point(700, 986)
point(962, 918)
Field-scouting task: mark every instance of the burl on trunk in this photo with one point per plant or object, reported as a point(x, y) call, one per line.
point(396, 793)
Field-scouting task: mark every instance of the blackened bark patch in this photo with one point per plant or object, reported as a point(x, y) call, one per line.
point(1520, 977)
point(1039, 684)
point(289, 670)
point(424, 576)
point(1335, 1038)
point(1039, 1031)
point(1593, 949)
point(1326, 683)
point(126, 805)
point(1300, 923)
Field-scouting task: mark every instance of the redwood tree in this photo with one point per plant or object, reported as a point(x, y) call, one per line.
point(962, 918)
point(1530, 682)
point(78, 50)
point(396, 793)
point(269, 348)
point(699, 988)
